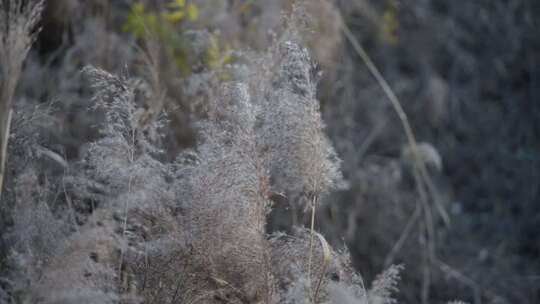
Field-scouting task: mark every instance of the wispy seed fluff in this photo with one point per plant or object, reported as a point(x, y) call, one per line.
point(300, 157)
point(228, 197)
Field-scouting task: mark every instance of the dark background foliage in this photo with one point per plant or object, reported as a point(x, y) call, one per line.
point(467, 76)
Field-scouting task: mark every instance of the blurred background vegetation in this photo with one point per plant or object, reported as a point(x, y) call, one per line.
point(467, 74)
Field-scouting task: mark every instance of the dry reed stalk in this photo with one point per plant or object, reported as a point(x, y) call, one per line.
point(326, 261)
point(4, 133)
point(312, 233)
point(421, 176)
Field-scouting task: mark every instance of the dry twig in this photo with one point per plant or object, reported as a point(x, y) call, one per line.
point(421, 176)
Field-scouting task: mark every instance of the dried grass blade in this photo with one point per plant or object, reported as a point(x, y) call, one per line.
point(327, 257)
point(3, 147)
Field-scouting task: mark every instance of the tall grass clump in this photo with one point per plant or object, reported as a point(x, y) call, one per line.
point(17, 32)
point(123, 223)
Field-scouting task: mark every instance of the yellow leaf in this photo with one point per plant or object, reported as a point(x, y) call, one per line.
point(174, 16)
point(226, 58)
point(390, 27)
point(183, 65)
point(136, 20)
point(192, 11)
point(137, 9)
point(226, 54)
point(177, 4)
point(225, 76)
point(245, 6)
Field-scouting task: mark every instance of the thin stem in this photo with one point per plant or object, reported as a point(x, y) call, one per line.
point(3, 148)
point(420, 172)
point(312, 234)
point(326, 262)
point(404, 235)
